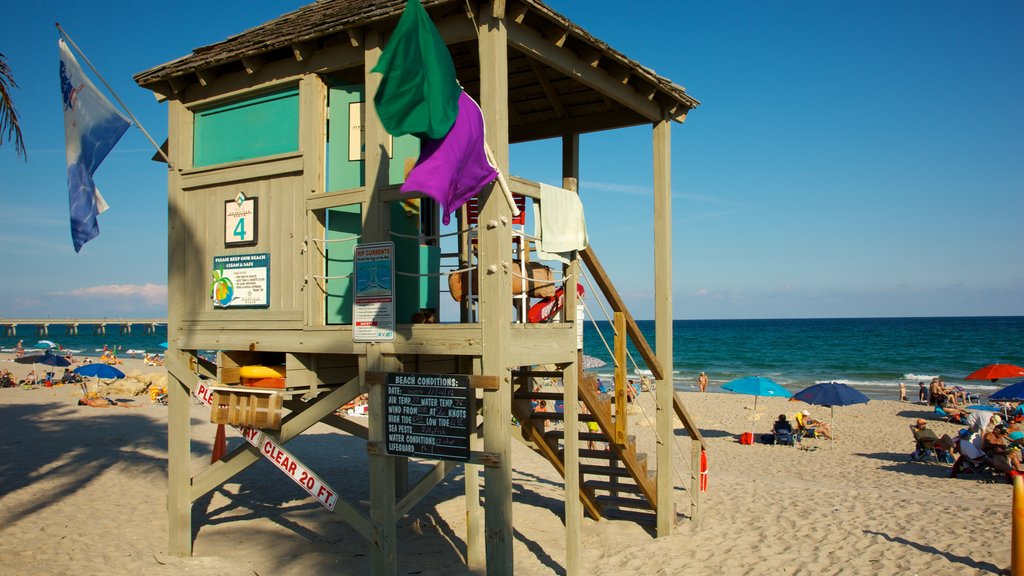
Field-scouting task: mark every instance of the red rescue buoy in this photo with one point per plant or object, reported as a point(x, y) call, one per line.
point(703, 471)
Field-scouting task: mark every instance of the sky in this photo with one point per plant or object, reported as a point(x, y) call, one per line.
point(848, 159)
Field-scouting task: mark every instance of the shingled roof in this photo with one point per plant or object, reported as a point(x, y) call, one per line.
point(328, 22)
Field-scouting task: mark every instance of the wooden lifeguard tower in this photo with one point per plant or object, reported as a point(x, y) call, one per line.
point(283, 191)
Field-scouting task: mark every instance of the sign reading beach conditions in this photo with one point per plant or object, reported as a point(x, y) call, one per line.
point(373, 307)
point(428, 416)
point(241, 281)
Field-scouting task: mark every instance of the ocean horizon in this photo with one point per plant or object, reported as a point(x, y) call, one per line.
point(872, 354)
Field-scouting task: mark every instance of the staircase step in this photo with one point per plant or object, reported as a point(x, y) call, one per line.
point(649, 518)
point(604, 470)
point(560, 435)
point(526, 395)
point(620, 502)
point(598, 454)
point(537, 373)
point(560, 416)
point(613, 487)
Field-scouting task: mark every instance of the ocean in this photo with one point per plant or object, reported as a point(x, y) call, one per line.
point(87, 342)
point(871, 354)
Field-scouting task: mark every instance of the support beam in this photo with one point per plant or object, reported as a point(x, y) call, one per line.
point(495, 289)
point(179, 501)
point(252, 64)
point(382, 468)
point(531, 43)
point(206, 76)
point(663, 318)
point(549, 90)
point(303, 50)
point(571, 382)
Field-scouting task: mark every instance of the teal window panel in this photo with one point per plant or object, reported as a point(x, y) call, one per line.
point(416, 265)
point(344, 226)
point(252, 128)
point(346, 150)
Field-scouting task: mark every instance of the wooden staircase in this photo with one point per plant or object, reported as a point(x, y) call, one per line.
point(614, 479)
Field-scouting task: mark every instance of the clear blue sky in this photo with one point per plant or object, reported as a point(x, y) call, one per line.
point(849, 159)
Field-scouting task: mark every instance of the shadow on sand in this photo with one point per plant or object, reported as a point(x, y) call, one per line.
point(965, 560)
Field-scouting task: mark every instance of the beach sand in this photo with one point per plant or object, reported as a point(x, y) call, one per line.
point(83, 491)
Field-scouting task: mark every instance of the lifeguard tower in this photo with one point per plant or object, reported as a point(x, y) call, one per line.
point(292, 249)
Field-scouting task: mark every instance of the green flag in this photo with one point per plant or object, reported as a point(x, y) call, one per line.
point(418, 94)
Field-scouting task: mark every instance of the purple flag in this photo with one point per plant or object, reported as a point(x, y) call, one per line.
point(453, 169)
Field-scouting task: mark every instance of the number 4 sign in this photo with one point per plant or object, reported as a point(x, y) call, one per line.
point(240, 221)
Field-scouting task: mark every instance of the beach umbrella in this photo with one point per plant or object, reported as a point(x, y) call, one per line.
point(756, 386)
point(994, 372)
point(590, 362)
point(831, 394)
point(1014, 391)
point(163, 344)
point(46, 344)
point(45, 359)
point(98, 371)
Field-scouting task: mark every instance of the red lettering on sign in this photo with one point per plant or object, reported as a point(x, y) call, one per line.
point(323, 490)
point(268, 449)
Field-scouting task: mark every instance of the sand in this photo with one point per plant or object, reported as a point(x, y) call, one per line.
point(82, 491)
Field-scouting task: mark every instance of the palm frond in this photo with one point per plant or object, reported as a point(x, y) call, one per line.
point(10, 125)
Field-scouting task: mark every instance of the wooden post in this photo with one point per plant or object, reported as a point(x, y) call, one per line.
point(620, 379)
point(475, 554)
point(663, 318)
point(382, 468)
point(495, 310)
point(179, 477)
point(571, 383)
point(179, 432)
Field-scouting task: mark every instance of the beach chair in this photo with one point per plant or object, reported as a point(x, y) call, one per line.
point(946, 416)
point(783, 437)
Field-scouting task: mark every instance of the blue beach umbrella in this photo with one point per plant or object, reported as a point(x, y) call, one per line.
point(831, 394)
point(99, 371)
point(1014, 391)
point(756, 386)
point(163, 344)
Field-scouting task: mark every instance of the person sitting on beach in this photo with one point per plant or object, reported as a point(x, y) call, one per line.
point(970, 456)
point(936, 393)
point(805, 424)
point(1013, 456)
point(926, 439)
point(994, 442)
point(783, 430)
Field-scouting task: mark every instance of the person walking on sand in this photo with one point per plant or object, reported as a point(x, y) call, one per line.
point(702, 381)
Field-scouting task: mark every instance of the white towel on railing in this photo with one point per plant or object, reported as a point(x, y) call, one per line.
point(559, 223)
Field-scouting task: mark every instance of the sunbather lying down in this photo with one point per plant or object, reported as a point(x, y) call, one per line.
point(106, 403)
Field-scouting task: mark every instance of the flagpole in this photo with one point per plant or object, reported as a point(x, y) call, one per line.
point(114, 94)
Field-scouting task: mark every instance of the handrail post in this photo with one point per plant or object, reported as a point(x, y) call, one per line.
point(620, 378)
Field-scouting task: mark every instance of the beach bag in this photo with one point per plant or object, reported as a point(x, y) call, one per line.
point(747, 438)
point(540, 284)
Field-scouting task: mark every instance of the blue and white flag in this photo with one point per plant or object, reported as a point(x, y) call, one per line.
point(92, 126)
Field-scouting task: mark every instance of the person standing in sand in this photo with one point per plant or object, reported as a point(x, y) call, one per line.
point(922, 393)
point(702, 381)
point(903, 392)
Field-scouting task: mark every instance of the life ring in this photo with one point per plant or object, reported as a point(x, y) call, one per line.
point(547, 308)
point(703, 471)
